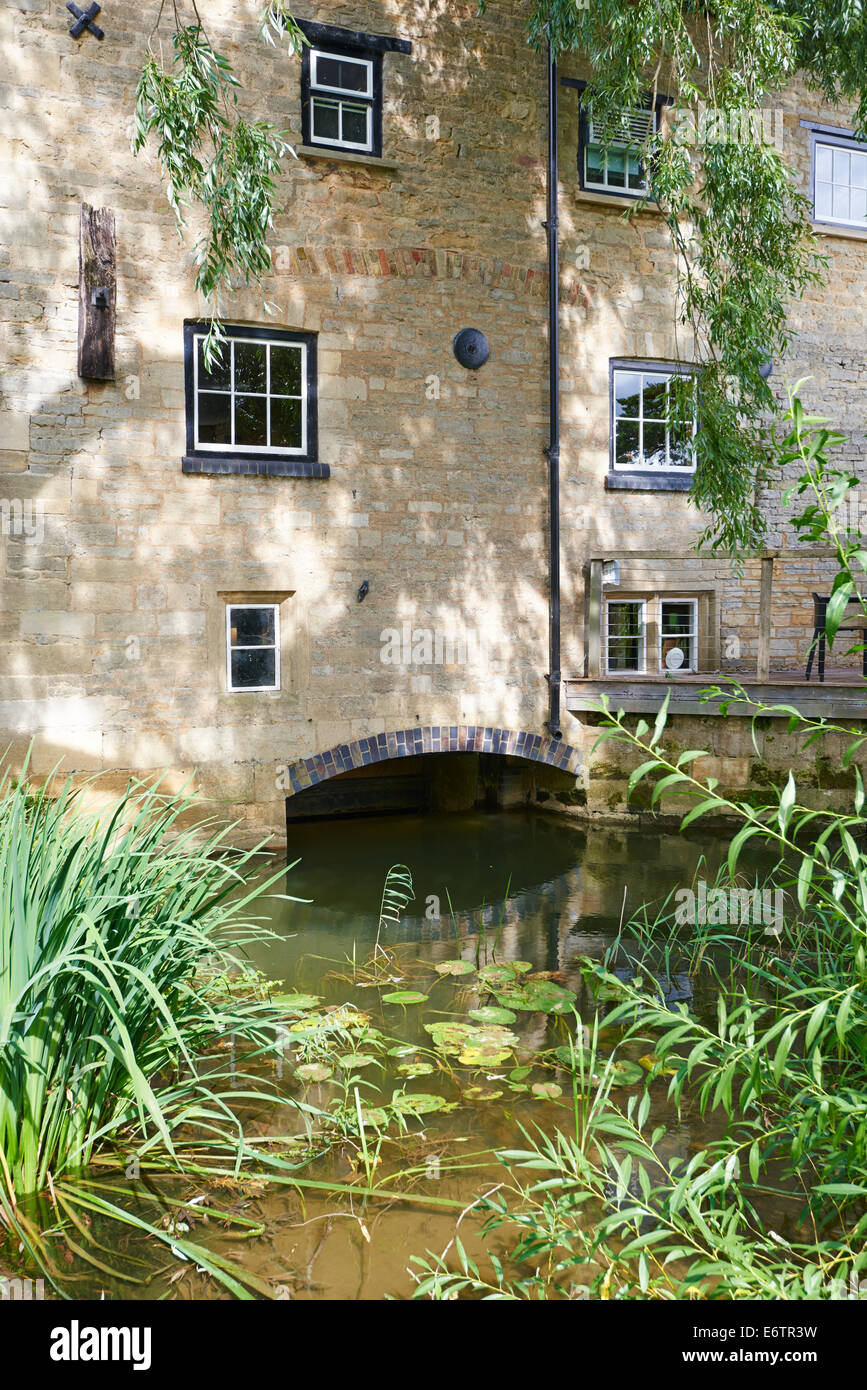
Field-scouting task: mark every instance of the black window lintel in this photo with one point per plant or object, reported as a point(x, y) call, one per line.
point(351, 38)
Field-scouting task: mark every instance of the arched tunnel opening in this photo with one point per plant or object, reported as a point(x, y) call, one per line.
point(437, 783)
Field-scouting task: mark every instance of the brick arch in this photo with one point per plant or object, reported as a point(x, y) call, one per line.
point(436, 738)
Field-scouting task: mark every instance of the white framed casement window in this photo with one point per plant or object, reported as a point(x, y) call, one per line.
point(648, 432)
point(254, 398)
point(840, 182)
point(342, 98)
point(252, 647)
point(611, 152)
point(625, 635)
point(678, 634)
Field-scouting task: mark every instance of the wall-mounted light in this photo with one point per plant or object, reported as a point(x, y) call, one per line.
point(363, 591)
point(611, 574)
point(471, 348)
point(766, 368)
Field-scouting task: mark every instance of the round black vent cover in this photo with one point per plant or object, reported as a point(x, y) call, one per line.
point(471, 348)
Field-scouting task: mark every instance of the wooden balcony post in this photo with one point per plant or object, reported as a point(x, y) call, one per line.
point(763, 666)
point(594, 622)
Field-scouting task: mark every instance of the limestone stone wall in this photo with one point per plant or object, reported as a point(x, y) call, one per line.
point(112, 591)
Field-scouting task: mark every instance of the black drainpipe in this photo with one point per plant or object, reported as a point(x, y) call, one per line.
point(553, 449)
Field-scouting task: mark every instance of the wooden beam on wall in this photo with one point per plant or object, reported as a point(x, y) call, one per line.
point(594, 622)
point(97, 294)
point(766, 590)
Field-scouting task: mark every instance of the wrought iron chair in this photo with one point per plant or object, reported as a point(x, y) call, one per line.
point(820, 609)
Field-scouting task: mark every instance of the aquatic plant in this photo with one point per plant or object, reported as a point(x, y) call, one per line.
point(606, 1210)
point(127, 1014)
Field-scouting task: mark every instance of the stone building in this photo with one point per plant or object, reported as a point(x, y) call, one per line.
point(343, 522)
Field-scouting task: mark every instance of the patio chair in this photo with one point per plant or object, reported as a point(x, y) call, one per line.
point(820, 608)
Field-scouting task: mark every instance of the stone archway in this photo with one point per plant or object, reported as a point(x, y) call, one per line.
point(436, 738)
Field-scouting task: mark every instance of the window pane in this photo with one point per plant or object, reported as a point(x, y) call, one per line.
point(624, 637)
point(859, 170)
point(215, 418)
point(677, 635)
point(626, 451)
point(823, 163)
point(354, 123)
point(594, 167)
point(823, 199)
point(858, 205)
point(286, 424)
point(326, 119)
point(285, 371)
point(252, 627)
point(654, 444)
point(219, 377)
point(841, 166)
point(251, 414)
point(253, 668)
point(338, 72)
point(616, 168)
point(627, 394)
point(656, 397)
point(637, 178)
point(250, 367)
point(841, 203)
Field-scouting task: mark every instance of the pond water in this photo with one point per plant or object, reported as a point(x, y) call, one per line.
point(488, 887)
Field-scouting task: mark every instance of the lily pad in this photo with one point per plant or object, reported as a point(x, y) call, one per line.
point(350, 1060)
point(537, 996)
point(404, 996)
point(449, 1037)
point(496, 975)
point(454, 967)
point(474, 1047)
point(296, 1002)
point(314, 1071)
point(374, 1117)
point(415, 1069)
point(627, 1073)
point(403, 1050)
point(481, 1093)
point(546, 1090)
point(422, 1103)
point(483, 1056)
point(490, 1014)
point(656, 1065)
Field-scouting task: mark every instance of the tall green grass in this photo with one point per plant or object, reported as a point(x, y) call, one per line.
point(115, 932)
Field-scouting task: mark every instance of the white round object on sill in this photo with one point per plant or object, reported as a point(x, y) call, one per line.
point(674, 658)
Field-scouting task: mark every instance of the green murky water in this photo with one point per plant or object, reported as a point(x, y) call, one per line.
point(524, 887)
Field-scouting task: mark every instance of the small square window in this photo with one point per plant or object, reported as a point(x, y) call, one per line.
point(252, 647)
point(252, 407)
point(653, 419)
point(625, 635)
point(341, 99)
point(840, 181)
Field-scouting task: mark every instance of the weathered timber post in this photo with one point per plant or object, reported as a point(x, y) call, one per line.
point(765, 592)
point(97, 294)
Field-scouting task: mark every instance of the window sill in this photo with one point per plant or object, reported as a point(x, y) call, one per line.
point(255, 468)
point(648, 482)
point(835, 229)
point(614, 200)
point(371, 161)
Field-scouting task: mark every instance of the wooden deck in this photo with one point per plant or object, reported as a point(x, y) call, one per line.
point(843, 694)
